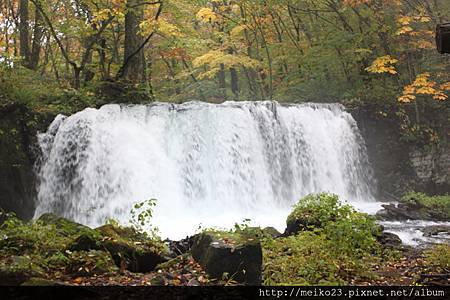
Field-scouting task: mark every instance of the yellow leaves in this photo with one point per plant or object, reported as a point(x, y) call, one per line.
point(355, 3)
point(422, 85)
point(404, 30)
point(161, 26)
point(383, 64)
point(215, 58)
point(404, 20)
point(237, 31)
point(206, 15)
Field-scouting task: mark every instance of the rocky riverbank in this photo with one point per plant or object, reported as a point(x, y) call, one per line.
point(325, 243)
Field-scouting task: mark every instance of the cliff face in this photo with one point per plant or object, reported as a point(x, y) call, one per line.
point(18, 131)
point(401, 166)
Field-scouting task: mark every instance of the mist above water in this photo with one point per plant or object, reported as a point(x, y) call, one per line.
point(208, 164)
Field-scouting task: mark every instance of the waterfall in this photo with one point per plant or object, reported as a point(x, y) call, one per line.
point(206, 164)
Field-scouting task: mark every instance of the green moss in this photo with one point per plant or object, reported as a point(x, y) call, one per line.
point(129, 237)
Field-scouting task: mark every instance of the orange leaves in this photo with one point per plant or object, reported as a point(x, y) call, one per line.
point(422, 85)
point(383, 64)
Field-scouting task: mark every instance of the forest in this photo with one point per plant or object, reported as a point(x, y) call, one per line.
point(124, 124)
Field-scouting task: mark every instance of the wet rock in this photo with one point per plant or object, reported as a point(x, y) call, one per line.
point(239, 259)
point(401, 212)
point(434, 230)
point(18, 269)
point(179, 247)
point(389, 240)
point(131, 249)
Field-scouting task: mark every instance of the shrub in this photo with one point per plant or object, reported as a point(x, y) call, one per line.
point(438, 258)
point(340, 243)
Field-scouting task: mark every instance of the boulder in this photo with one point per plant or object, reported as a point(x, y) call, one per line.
point(389, 240)
point(400, 212)
point(86, 241)
point(18, 269)
point(64, 226)
point(271, 231)
point(434, 230)
point(131, 249)
point(237, 258)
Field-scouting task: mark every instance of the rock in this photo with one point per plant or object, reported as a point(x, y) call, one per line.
point(88, 263)
point(295, 225)
point(179, 247)
point(64, 226)
point(86, 242)
point(131, 249)
point(17, 269)
point(36, 281)
point(240, 259)
point(400, 212)
point(389, 240)
point(436, 230)
point(272, 232)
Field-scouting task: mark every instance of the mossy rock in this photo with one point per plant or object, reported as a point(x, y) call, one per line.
point(64, 226)
point(88, 263)
point(231, 256)
point(86, 241)
point(131, 249)
point(272, 232)
point(17, 269)
point(313, 211)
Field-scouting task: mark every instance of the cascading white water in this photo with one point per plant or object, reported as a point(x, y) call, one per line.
point(208, 164)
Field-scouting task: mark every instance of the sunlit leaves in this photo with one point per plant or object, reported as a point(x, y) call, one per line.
point(215, 58)
point(161, 26)
point(206, 15)
point(383, 64)
point(422, 85)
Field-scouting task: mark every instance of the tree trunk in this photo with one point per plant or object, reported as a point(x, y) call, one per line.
point(37, 40)
point(222, 82)
point(134, 70)
point(23, 32)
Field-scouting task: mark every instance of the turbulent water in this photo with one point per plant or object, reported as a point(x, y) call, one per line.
point(206, 164)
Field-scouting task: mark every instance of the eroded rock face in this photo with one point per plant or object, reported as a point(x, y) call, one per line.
point(239, 260)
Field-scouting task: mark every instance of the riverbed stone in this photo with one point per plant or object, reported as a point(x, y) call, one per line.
point(222, 257)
